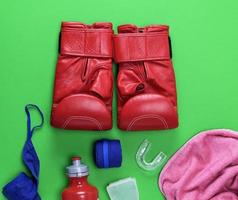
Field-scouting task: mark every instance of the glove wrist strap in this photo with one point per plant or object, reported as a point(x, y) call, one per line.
point(141, 47)
point(87, 43)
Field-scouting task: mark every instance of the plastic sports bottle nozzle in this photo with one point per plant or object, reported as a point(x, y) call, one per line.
point(79, 188)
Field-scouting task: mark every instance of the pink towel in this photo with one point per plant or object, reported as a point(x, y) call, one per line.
point(205, 168)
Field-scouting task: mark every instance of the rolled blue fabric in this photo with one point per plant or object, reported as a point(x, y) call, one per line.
point(108, 153)
point(25, 187)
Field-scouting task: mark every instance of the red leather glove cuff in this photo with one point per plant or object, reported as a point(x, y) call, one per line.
point(141, 47)
point(82, 40)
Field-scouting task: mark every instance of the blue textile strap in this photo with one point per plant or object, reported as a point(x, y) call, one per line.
point(105, 154)
point(25, 187)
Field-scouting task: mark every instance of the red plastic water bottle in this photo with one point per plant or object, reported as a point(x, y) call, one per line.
point(79, 188)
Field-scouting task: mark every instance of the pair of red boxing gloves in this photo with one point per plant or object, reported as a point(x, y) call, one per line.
point(83, 86)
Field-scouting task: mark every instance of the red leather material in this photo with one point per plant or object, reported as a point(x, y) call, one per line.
point(89, 42)
point(146, 82)
point(141, 46)
point(83, 87)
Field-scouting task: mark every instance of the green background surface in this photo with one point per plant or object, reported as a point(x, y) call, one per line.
point(205, 49)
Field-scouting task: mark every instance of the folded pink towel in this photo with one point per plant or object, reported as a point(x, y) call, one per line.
point(205, 168)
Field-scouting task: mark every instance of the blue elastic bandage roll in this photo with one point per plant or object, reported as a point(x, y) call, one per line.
point(25, 187)
point(107, 153)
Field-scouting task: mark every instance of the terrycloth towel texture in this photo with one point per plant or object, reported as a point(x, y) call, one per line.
point(205, 168)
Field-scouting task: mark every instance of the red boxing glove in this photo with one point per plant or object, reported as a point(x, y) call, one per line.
point(146, 81)
point(83, 81)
